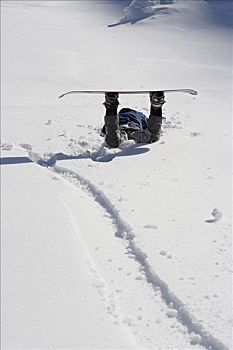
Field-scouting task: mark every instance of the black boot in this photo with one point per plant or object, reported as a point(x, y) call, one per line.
point(157, 99)
point(111, 120)
point(111, 100)
point(155, 118)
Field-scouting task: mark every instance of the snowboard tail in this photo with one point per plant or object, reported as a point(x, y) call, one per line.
point(187, 91)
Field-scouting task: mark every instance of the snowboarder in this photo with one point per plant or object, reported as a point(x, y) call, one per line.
point(129, 124)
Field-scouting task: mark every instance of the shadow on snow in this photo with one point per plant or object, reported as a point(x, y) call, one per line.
point(132, 150)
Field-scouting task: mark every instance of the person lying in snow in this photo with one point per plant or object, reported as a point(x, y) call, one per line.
point(129, 124)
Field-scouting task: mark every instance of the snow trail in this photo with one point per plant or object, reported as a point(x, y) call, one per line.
point(106, 295)
point(126, 232)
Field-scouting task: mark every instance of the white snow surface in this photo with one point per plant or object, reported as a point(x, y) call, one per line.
point(128, 248)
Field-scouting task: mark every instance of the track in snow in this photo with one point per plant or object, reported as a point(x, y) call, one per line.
point(126, 232)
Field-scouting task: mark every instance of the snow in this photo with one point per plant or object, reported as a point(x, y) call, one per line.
point(48, 295)
point(127, 248)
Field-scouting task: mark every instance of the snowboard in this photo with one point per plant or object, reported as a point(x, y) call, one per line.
point(187, 91)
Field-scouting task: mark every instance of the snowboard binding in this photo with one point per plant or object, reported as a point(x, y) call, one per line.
point(157, 99)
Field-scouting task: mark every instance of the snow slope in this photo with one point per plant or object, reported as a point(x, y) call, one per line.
point(125, 248)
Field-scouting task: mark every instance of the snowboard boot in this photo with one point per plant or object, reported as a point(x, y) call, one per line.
point(111, 120)
point(157, 99)
point(155, 119)
point(111, 100)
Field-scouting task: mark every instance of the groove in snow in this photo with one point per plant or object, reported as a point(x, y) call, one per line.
point(125, 231)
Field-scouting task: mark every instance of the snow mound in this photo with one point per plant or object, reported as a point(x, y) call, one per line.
point(208, 11)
